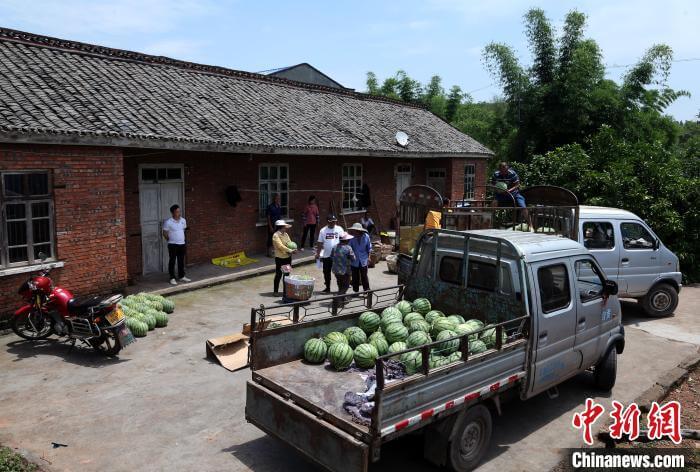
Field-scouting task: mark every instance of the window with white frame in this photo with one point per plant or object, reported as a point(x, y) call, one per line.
point(352, 187)
point(27, 218)
point(469, 173)
point(273, 179)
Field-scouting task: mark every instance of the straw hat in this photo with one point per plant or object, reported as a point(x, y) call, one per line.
point(346, 237)
point(357, 227)
point(279, 223)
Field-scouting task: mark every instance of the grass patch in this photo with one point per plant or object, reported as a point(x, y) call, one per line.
point(10, 461)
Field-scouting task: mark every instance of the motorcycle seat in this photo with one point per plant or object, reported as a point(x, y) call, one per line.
point(81, 306)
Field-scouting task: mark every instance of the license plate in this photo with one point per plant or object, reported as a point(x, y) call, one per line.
point(115, 317)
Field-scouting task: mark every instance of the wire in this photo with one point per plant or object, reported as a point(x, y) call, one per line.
point(617, 66)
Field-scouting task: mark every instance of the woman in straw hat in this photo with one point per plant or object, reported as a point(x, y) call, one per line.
point(342, 258)
point(283, 254)
point(361, 246)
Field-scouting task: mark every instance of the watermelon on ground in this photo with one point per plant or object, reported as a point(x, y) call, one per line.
point(340, 355)
point(161, 319)
point(369, 322)
point(315, 350)
point(365, 355)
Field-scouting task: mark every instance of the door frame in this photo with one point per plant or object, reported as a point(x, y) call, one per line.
point(141, 182)
point(444, 178)
point(396, 176)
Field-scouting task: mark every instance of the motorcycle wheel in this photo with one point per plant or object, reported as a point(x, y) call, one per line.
point(107, 343)
point(32, 326)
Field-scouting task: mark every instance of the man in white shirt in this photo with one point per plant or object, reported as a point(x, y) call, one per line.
point(328, 239)
point(174, 232)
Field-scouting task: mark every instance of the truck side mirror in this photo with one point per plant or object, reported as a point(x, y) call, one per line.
point(610, 287)
point(657, 244)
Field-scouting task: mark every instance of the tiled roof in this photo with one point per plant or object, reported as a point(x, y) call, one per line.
point(58, 91)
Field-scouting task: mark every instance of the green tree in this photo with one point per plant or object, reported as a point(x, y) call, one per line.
point(454, 101)
point(372, 83)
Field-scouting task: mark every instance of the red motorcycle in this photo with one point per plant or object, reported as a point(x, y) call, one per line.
point(49, 309)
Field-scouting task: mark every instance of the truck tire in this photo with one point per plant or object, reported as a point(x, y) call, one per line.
point(470, 439)
point(661, 300)
point(605, 372)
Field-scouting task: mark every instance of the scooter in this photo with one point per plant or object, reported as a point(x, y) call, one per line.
point(49, 309)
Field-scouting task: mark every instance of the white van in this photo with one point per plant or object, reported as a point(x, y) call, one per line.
point(632, 255)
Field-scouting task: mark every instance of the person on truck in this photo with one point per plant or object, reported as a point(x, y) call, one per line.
point(507, 179)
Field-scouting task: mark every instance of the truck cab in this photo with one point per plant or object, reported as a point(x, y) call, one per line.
point(632, 255)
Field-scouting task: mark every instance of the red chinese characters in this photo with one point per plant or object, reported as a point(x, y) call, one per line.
point(625, 421)
point(665, 420)
point(586, 419)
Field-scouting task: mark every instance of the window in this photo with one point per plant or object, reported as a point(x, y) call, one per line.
point(27, 218)
point(436, 179)
point(554, 287)
point(589, 280)
point(598, 235)
point(160, 174)
point(469, 173)
point(352, 187)
point(482, 275)
point(636, 236)
point(273, 179)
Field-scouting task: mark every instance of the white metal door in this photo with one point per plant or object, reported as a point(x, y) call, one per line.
point(161, 186)
point(403, 179)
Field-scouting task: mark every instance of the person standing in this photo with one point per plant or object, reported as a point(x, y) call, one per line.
point(283, 255)
point(310, 218)
point(343, 257)
point(174, 232)
point(361, 246)
point(328, 239)
point(367, 223)
point(274, 213)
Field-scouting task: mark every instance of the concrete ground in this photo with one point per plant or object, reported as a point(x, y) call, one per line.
point(163, 406)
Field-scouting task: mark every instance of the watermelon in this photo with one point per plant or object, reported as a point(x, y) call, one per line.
point(417, 338)
point(369, 322)
point(454, 357)
point(340, 355)
point(392, 311)
point(365, 356)
point(138, 328)
point(441, 324)
point(411, 317)
point(168, 305)
point(502, 186)
point(389, 319)
point(456, 319)
point(376, 336)
point(421, 305)
point(420, 325)
point(151, 321)
point(412, 361)
point(404, 306)
point(395, 332)
point(292, 245)
point(447, 347)
point(489, 337)
point(465, 328)
point(478, 323)
point(437, 361)
point(397, 347)
point(433, 315)
point(477, 346)
point(161, 320)
point(315, 350)
point(355, 336)
point(158, 306)
point(334, 337)
point(381, 345)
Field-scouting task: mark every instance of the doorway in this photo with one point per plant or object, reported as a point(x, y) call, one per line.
point(403, 179)
point(160, 187)
point(436, 179)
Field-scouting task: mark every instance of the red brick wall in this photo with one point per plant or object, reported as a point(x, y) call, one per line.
point(217, 229)
point(89, 216)
point(455, 178)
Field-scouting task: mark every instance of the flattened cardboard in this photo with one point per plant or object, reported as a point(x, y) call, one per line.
point(230, 351)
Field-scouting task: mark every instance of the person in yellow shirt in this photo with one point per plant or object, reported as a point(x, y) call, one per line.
point(433, 218)
point(283, 254)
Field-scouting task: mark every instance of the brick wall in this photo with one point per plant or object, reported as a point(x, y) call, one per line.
point(89, 216)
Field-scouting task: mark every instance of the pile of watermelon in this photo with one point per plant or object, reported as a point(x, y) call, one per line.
point(397, 328)
point(145, 312)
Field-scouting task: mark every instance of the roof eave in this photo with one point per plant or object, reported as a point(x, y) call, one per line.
point(115, 140)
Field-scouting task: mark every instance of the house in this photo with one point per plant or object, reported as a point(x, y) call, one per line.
point(306, 73)
point(97, 143)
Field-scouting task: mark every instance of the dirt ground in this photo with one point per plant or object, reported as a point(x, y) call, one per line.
point(164, 406)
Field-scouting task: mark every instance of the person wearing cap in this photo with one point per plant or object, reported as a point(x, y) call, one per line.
point(328, 239)
point(342, 258)
point(361, 246)
point(283, 255)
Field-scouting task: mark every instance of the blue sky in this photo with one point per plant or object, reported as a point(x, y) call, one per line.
point(346, 39)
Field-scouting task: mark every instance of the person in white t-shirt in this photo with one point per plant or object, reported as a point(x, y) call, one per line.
point(174, 232)
point(328, 239)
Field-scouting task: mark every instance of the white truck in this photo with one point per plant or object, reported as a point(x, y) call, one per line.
point(555, 316)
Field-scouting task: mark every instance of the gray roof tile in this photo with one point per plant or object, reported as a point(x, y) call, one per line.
point(53, 89)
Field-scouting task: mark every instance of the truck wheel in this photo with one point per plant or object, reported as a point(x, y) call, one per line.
point(661, 300)
point(605, 372)
point(470, 439)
